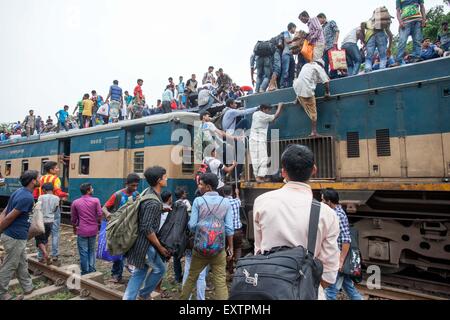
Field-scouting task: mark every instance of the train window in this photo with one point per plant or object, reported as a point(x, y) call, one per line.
point(25, 165)
point(85, 162)
point(353, 145)
point(187, 166)
point(43, 162)
point(139, 162)
point(8, 166)
point(383, 143)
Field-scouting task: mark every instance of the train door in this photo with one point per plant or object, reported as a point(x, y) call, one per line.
point(64, 162)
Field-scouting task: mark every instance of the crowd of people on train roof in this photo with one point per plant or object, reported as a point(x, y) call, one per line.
point(276, 63)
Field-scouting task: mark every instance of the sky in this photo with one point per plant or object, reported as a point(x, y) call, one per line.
point(54, 51)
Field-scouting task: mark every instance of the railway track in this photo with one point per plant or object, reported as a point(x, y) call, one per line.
point(89, 287)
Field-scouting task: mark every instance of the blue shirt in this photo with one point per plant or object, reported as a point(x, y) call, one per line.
point(180, 88)
point(229, 119)
point(23, 201)
point(116, 93)
point(213, 199)
point(63, 115)
point(128, 100)
point(429, 53)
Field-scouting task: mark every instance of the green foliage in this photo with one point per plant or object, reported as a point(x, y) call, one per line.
point(435, 17)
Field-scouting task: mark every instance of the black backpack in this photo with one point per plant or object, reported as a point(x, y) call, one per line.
point(264, 49)
point(174, 233)
point(283, 273)
point(352, 265)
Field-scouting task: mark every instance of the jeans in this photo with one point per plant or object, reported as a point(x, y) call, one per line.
point(346, 283)
point(413, 29)
point(178, 269)
point(87, 249)
point(56, 234)
point(264, 68)
point(353, 58)
point(378, 41)
point(61, 125)
point(333, 74)
point(117, 269)
point(276, 63)
point(80, 120)
point(141, 276)
point(287, 70)
point(201, 282)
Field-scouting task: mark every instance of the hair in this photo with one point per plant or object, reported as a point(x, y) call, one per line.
point(298, 161)
point(86, 96)
point(84, 188)
point(264, 107)
point(153, 175)
point(47, 187)
point(210, 67)
point(321, 16)
point(165, 196)
point(66, 107)
point(331, 195)
point(126, 92)
point(230, 102)
point(179, 192)
point(94, 92)
point(139, 80)
point(170, 79)
point(220, 70)
point(291, 26)
point(303, 14)
point(210, 179)
point(28, 176)
point(203, 114)
point(133, 178)
point(116, 82)
point(425, 39)
point(228, 190)
point(30, 111)
point(49, 165)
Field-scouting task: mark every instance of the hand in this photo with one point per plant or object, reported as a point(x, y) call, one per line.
point(164, 252)
point(75, 230)
point(229, 255)
point(424, 23)
point(327, 96)
point(234, 163)
point(341, 266)
point(237, 192)
point(253, 82)
point(335, 46)
point(402, 24)
point(389, 52)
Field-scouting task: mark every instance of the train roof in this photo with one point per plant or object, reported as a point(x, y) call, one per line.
point(183, 117)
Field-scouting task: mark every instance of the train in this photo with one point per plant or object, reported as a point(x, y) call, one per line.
point(384, 146)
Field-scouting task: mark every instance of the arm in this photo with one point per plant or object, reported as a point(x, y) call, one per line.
point(391, 39)
point(74, 218)
point(327, 89)
point(399, 17)
point(336, 39)
point(99, 212)
point(329, 251)
point(9, 219)
point(424, 14)
point(230, 169)
point(344, 253)
point(153, 239)
point(109, 95)
point(278, 113)
point(229, 231)
point(194, 216)
point(257, 228)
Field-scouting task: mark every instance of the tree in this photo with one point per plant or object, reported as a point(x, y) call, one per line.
point(435, 17)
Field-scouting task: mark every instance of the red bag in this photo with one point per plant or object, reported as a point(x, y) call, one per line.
point(338, 59)
point(173, 105)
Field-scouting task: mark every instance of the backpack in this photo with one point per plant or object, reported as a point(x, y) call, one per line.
point(173, 234)
point(278, 41)
point(122, 230)
point(218, 119)
point(283, 273)
point(204, 168)
point(209, 239)
point(264, 49)
point(352, 265)
point(381, 19)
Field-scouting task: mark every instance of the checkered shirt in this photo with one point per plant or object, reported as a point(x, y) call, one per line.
point(344, 226)
point(236, 206)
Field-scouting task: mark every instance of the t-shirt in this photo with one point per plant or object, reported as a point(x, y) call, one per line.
point(444, 37)
point(192, 85)
point(138, 92)
point(124, 199)
point(167, 96)
point(88, 105)
point(22, 200)
point(351, 37)
point(63, 115)
point(209, 130)
point(429, 53)
point(116, 93)
point(128, 99)
point(50, 206)
point(180, 88)
point(80, 107)
point(311, 74)
point(260, 125)
point(216, 167)
point(287, 37)
point(203, 97)
point(410, 10)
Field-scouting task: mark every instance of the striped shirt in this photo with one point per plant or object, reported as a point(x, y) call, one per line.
point(315, 31)
point(49, 178)
point(149, 219)
point(236, 207)
point(344, 235)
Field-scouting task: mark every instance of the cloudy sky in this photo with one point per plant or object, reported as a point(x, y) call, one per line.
point(54, 51)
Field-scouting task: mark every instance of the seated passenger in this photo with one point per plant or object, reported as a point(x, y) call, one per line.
point(429, 50)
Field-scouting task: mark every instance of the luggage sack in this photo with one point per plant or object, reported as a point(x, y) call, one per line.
point(283, 273)
point(338, 59)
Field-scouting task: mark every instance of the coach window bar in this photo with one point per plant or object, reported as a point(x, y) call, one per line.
point(85, 162)
point(139, 162)
point(25, 165)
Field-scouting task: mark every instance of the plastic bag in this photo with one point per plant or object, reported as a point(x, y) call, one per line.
point(307, 51)
point(37, 222)
point(102, 249)
point(103, 110)
point(338, 59)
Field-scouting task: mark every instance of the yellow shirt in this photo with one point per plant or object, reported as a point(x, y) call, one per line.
point(88, 104)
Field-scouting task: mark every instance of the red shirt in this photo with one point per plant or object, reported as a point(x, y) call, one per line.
point(138, 92)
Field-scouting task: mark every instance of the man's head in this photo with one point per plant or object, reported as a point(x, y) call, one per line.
point(208, 183)
point(140, 82)
point(205, 116)
point(48, 188)
point(445, 25)
point(211, 69)
point(180, 193)
point(94, 93)
point(298, 164)
point(292, 28)
point(304, 17)
point(158, 102)
point(322, 18)
point(29, 179)
point(166, 197)
point(231, 103)
point(86, 189)
point(330, 197)
point(220, 72)
point(127, 93)
point(156, 177)
point(181, 78)
point(265, 108)
point(228, 191)
point(51, 167)
point(31, 112)
point(132, 183)
point(86, 96)
point(170, 80)
point(193, 77)
point(116, 82)
point(66, 108)
point(426, 42)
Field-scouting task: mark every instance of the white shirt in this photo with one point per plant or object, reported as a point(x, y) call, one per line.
point(167, 95)
point(50, 205)
point(203, 97)
point(351, 37)
point(216, 167)
point(260, 126)
point(311, 74)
